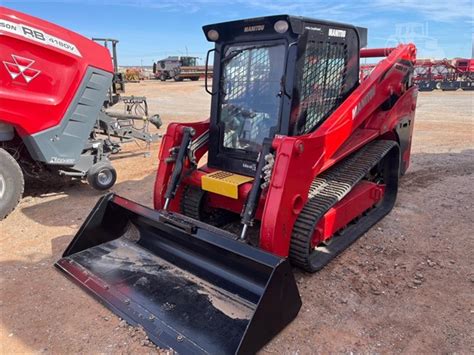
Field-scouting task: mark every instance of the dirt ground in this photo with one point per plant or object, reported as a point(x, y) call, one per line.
point(407, 286)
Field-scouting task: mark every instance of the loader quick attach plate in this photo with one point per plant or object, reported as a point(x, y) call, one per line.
point(191, 286)
point(224, 183)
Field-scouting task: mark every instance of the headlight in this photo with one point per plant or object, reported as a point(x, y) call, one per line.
point(281, 26)
point(213, 35)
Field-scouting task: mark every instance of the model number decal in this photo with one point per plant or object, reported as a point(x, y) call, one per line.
point(38, 36)
point(249, 166)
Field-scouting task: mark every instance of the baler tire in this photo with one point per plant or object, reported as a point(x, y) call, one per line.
point(102, 176)
point(12, 184)
point(163, 77)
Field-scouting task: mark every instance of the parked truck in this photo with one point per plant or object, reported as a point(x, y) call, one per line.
point(178, 68)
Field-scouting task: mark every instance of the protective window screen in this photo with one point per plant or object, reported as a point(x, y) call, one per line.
point(322, 84)
point(251, 101)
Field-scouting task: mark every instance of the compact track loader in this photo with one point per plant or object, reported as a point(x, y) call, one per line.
point(297, 160)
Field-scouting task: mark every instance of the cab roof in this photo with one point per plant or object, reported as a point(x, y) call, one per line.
point(297, 26)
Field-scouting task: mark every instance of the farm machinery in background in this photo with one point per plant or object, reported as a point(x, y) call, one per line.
point(134, 121)
point(57, 90)
point(298, 159)
point(444, 74)
point(135, 74)
point(179, 68)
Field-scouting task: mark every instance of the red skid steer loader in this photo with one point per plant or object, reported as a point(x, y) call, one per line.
point(302, 159)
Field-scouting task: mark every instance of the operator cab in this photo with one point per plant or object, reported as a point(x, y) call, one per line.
point(275, 75)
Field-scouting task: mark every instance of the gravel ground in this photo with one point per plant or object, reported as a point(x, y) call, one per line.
point(405, 287)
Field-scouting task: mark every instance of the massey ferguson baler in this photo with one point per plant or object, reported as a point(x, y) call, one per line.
point(297, 160)
point(54, 84)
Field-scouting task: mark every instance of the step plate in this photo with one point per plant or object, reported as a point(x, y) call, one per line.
point(224, 183)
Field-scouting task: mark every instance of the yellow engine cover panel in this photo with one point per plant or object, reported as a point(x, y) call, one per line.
point(224, 183)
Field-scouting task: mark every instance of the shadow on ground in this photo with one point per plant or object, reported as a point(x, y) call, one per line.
point(76, 199)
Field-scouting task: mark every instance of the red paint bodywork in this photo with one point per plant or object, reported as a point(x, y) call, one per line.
point(362, 197)
point(357, 121)
point(41, 104)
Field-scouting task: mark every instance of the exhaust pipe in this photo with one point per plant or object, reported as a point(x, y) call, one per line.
point(194, 288)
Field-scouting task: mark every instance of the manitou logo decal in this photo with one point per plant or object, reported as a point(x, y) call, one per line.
point(363, 102)
point(21, 66)
point(337, 33)
point(255, 28)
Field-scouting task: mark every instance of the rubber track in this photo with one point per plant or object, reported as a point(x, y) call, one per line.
point(329, 188)
point(191, 202)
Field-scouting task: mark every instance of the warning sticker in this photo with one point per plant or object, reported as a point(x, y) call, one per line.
point(38, 36)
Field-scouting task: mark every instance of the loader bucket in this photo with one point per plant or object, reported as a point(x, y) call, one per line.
point(192, 287)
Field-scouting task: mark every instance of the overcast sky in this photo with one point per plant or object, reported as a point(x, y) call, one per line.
point(149, 30)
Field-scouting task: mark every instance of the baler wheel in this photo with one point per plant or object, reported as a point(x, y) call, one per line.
point(101, 176)
point(12, 183)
